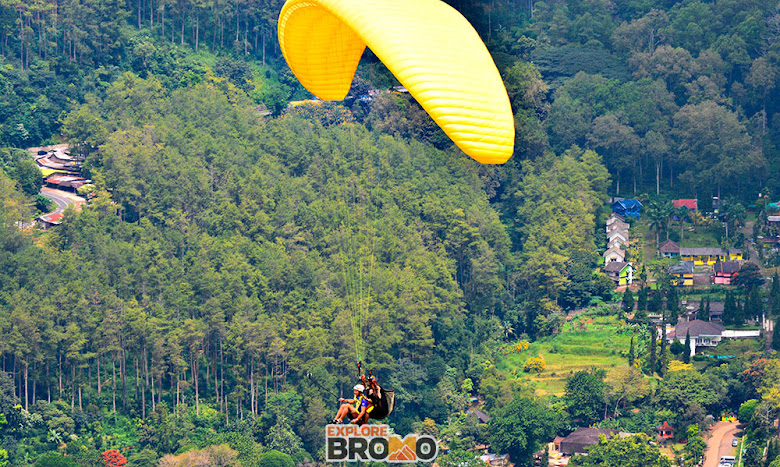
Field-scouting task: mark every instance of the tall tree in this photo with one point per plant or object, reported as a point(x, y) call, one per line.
point(651, 358)
point(521, 428)
point(628, 301)
point(585, 396)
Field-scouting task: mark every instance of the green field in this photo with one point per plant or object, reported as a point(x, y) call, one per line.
point(585, 342)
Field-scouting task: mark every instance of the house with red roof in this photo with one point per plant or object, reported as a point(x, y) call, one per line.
point(691, 204)
point(725, 271)
point(665, 431)
point(48, 221)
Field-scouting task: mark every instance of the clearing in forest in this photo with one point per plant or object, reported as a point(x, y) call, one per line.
point(585, 342)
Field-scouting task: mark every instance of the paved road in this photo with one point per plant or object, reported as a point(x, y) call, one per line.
point(747, 230)
point(719, 443)
point(62, 198)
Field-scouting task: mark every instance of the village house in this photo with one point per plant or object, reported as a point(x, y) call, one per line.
point(716, 311)
point(495, 460)
point(627, 207)
point(683, 272)
point(66, 182)
point(614, 254)
point(620, 272)
point(690, 204)
point(735, 254)
point(705, 334)
point(616, 223)
point(48, 221)
point(614, 217)
point(702, 333)
point(725, 272)
point(617, 243)
point(622, 235)
point(665, 431)
point(702, 256)
point(579, 439)
point(617, 227)
point(669, 249)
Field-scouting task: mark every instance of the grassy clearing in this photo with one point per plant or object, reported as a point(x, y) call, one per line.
point(585, 342)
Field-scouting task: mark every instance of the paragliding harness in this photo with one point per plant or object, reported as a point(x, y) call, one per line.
point(383, 404)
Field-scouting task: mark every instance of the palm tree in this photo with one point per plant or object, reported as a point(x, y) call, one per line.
point(656, 219)
point(682, 214)
point(734, 215)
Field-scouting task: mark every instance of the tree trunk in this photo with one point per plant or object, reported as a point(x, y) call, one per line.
point(146, 383)
point(113, 384)
point(26, 389)
point(123, 374)
point(59, 376)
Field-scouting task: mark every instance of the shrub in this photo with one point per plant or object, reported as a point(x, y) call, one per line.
point(521, 346)
point(535, 365)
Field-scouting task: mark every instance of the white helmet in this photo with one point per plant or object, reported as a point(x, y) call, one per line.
point(359, 387)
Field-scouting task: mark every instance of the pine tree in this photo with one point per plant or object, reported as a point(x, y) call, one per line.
point(642, 301)
point(631, 353)
point(662, 355)
point(652, 350)
point(701, 312)
point(756, 304)
point(673, 304)
point(663, 359)
point(707, 311)
point(628, 301)
point(730, 313)
point(656, 302)
point(776, 334)
point(687, 351)
point(774, 295)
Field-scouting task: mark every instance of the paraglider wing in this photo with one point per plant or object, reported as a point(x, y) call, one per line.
point(430, 47)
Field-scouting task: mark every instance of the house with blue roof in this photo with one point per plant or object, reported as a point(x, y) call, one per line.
point(627, 207)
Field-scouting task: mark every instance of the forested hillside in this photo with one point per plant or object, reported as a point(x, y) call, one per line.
point(227, 252)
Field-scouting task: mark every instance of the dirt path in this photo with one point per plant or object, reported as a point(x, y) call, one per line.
point(747, 230)
point(719, 443)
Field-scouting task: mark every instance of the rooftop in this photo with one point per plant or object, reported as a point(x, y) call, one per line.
point(696, 328)
point(669, 246)
point(703, 251)
point(683, 267)
point(615, 266)
point(726, 267)
point(688, 203)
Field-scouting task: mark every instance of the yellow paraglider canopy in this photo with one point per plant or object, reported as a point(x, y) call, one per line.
point(430, 47)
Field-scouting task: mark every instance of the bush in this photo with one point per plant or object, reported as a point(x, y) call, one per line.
point(276, 459)
point(521, 347)
point(43, 204)
point(54, 459)
point(535, 365)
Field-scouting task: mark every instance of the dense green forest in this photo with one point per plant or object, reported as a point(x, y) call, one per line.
point(226, 252)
